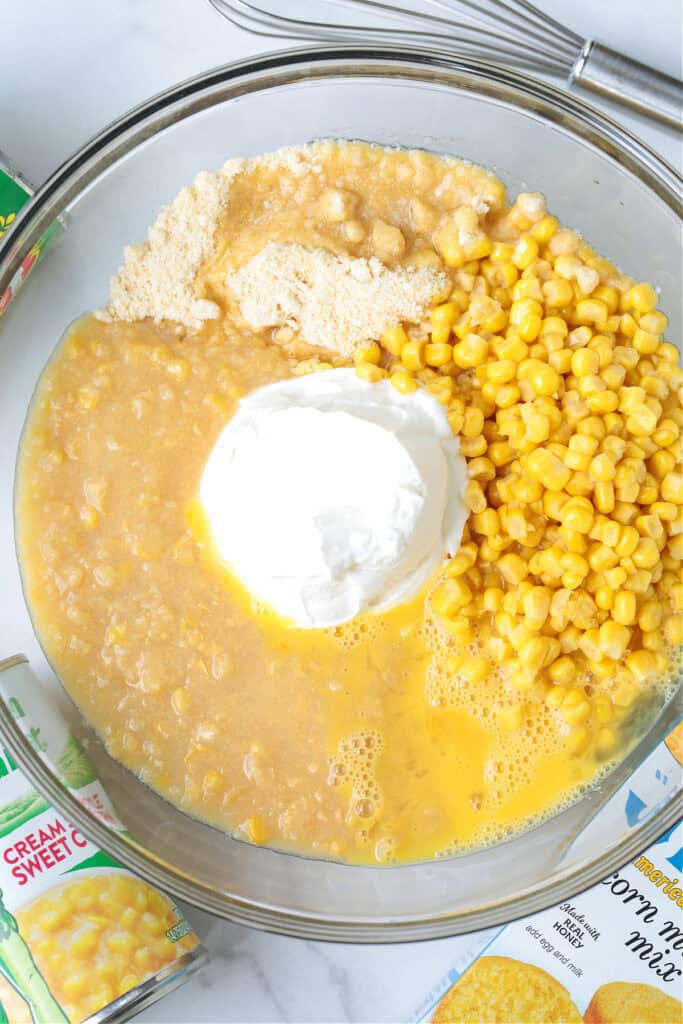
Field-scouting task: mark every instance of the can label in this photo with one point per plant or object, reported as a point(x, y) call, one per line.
point(79, 934)
point(15, 192)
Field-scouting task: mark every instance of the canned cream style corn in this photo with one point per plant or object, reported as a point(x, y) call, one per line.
point(15, 192)
point(81, 938)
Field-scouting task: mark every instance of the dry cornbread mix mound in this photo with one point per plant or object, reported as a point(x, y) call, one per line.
point(79, 934)
point(525, 666)
point(612, 955)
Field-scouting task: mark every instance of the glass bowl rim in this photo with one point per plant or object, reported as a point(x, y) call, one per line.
point(114, 142)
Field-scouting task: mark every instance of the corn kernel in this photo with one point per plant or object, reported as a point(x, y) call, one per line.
point(602, 468)
point(646, 554)
point(535, 653)
point(525, 252)
point(613, 639)
point(575, 707)
point(624, 609)
point(463, 560)
point(473, 422)
point(555, 696)
point(512, 568)
point(501, 453)
point(370, 373)
point(641, 664)
point(393, 340)
point(180, 701)
point(644, 342)
point(475, 668)
point(604, 598)
point(545, 467)
point(473, 447)
point(412, 355)
point(545, 228)
point(673, 630)
point(536, 606)
point(604, 496)
point(492, 599)
point(404, 383)
point(438, 354)
point(486, 522)
point(641, 297)
point(471, 351)
point(557, 293)
point(578, 739)
point(671, 488)
point(475, 499)
point(650, 616)
point(511, 718)
point(370, 352)
point(501, 252)
point(585, 361)
point(543, 379)
point(577, 514)
point(444, 315)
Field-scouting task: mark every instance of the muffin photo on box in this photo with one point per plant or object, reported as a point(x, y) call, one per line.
point(499, 990)
point(622, 1002)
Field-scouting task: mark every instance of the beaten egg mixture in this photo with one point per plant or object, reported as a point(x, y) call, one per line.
point(523, 669)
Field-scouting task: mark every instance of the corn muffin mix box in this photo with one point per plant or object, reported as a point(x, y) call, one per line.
point(80, 937)
point(611, 955)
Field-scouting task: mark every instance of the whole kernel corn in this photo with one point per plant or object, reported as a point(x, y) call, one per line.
point(613, 639)
point(578, 739)
point(671, 488)
point(512, 568)
point(624, 608)
point(404, 382)
point(393, 340)
point(471, 351)
point(471, 447)
point(370, 352)
point(575, 707)
point(642, 298)
point(369, 372)
point(475, 499)
point(473, 423)
point(565, 398)
point(545, 467)
point(413, 355)
point(585, 361)
point(438, 354)
point(475, 669)
point(673, 630)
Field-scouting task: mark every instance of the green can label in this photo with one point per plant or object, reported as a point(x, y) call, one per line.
point(15, 192)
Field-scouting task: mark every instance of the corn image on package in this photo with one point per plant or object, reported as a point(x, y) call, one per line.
point(79, 934)
point(611, 955)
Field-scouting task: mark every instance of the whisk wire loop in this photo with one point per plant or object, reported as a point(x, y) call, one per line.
point(513, 33)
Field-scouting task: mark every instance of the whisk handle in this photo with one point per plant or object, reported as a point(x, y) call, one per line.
point(627, 81)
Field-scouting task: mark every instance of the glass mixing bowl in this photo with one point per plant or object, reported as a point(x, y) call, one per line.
point(598, 179)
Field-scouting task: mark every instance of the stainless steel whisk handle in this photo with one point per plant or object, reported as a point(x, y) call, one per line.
point(610, 73)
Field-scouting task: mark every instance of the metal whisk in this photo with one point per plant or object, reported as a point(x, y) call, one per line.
point(509, 32)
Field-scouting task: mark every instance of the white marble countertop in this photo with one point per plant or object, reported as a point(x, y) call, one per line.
point(66, 70)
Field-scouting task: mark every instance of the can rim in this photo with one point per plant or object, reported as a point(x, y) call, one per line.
point(151, 989)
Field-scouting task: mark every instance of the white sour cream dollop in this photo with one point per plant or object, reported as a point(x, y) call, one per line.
point(328, 496)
